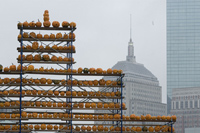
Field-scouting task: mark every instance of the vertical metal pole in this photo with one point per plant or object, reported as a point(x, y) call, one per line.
point(171, 127)
point(71, 73)
point(121, 104)
point(20, 98)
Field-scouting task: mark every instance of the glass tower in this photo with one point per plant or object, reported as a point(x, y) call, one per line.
point(183, 45)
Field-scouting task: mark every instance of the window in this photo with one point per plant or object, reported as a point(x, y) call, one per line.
point(186, 104)
point(196, 104)
point(181, 105)
point(191, 104)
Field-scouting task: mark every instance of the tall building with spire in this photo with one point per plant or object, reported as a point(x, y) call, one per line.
point(142, 93)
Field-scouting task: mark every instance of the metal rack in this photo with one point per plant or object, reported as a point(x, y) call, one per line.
point(61, 88)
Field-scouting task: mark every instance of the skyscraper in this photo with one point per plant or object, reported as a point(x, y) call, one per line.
point(183, 45)
point(142, 93)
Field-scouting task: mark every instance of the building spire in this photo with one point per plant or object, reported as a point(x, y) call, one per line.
point(130, 57)
point(130, 28)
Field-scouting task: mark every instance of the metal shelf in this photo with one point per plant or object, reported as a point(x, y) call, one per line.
point(47, 62)
point(48, 28)
point(18, 84)
point(17, 107)
point(60, 73)
point(46, 51)
point(49, 40)
point(93, 97)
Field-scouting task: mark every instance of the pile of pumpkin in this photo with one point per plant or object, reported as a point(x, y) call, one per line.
point(61, 93)
point(80, 70)
point(47, 23)
point(44, 81)
point(63, 104)
point(88, 128)
point(44, 57)
point(36, 127)
point(149, 117)
point(35, 46)
point(46, 36)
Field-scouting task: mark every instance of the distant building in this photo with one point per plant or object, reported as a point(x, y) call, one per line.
point(185, 105)
point(183, 45)
point(142, 92)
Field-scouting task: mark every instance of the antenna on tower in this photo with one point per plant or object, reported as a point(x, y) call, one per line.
point(130, 28)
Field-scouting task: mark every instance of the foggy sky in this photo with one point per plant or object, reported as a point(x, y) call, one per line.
point(103, 30)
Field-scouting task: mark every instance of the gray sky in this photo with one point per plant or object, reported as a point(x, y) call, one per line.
point(102, 30)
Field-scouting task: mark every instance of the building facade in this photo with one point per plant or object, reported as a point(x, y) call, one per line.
point(142, 93)
point(185, 104)
point(183, 45)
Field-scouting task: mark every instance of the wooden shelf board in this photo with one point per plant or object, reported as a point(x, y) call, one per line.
point(47, 28)
point(47, 62)
point(49, 40)
point(46, 51)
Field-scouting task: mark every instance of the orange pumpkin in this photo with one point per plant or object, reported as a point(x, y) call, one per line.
point(65, 24)
point(47, 23)
point(56, 24)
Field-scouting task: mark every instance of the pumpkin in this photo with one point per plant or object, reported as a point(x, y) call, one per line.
point(144, 129)
point(142, 117)
point(109, 71)
point(151, 129)
point(169, 128)
point(153, 117)
point(6, 80)
point(49, 104)
point(35, 45)
point(54, 58)
point(85, 82)
point(32, 24)
point(47, 23)
point(138, 129)
point(65, 59)
point(30, 68)
point(117, 105)
point(58, 35)
point(132, 116)
point(43, 126)
point(87, 105)
point(46, 57)
point(46, 17)
point(29, 57)
point(81, 105)
point(1, 67)
point(93, 105)
point(37, 57)
point(60, 47)
point(112, 128)
point(71, 47)
point(47, 47)
point(38, 23)
point(71, 35)
point(106, 116)
point(102, 82)
point(12, 67)
point(65, 24)
point(55, 24)
point(43, 80)
point(163, 117)
point(25, 24)
point(168, 118)
point(52, 36)
point(108, 82)
point(65, 36)
point(173, 118)
point(158, 117)
point(72, 25)
point(100, 128)
point(117, 93)
point(24, 114)
point(99, 105)
point(115, 71)
point(54, 47)
point(32, 35)
point(28, 47)
point(46, 36)
point(25, 35)
point(157, 128)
